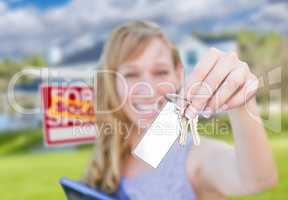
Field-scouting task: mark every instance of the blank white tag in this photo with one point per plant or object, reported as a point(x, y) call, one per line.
point(160, 137)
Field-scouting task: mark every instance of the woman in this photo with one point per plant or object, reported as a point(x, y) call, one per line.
point(140, 66)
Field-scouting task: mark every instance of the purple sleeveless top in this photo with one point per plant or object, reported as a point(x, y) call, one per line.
point(169, 181)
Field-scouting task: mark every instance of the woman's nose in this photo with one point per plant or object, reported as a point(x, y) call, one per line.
point(145, 86)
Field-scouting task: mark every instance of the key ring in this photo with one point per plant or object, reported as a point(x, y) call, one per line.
point(184, 121)
point(172, 97)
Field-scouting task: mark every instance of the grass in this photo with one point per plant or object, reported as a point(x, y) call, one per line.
point(35, 175)
point(20, 141)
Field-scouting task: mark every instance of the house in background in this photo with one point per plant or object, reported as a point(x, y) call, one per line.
point(78, 67)
point(224, 44)
point(75, 68)
point(79, 64)
point(190, 48)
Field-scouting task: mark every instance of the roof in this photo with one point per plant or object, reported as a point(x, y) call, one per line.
point(89, 55)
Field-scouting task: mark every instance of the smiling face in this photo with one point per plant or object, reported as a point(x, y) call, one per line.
point(148, 77)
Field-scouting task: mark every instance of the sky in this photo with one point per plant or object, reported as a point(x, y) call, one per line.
point(35, 26)
point(39, 4)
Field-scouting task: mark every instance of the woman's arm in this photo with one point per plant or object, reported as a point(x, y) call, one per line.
point(214, 167)
point(253, 153)
point(248, 167)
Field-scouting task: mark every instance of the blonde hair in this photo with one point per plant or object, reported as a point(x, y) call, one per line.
point(111, 148)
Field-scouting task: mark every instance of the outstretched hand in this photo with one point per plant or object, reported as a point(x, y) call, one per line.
point(219, 82)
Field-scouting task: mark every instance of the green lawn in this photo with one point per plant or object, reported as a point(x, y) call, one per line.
point(34, 176)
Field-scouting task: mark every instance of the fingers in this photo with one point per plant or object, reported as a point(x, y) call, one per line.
point(248, 91)
point(198, 74)
point(234, 81)
point(201, 70)
point(219, 82)
point(209, 85)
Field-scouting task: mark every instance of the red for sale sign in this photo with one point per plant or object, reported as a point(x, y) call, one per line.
point(68, 115)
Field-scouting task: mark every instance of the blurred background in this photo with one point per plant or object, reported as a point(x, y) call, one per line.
point(68, 35)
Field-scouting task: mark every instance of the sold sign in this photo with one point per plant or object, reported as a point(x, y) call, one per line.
point(68, 115)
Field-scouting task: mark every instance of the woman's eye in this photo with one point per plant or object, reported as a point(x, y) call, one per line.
point(131, 75)
point(162, 73)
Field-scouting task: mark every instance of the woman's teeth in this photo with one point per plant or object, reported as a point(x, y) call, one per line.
point(146, 107)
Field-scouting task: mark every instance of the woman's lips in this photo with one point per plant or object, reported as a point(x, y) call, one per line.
point(146, 107)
